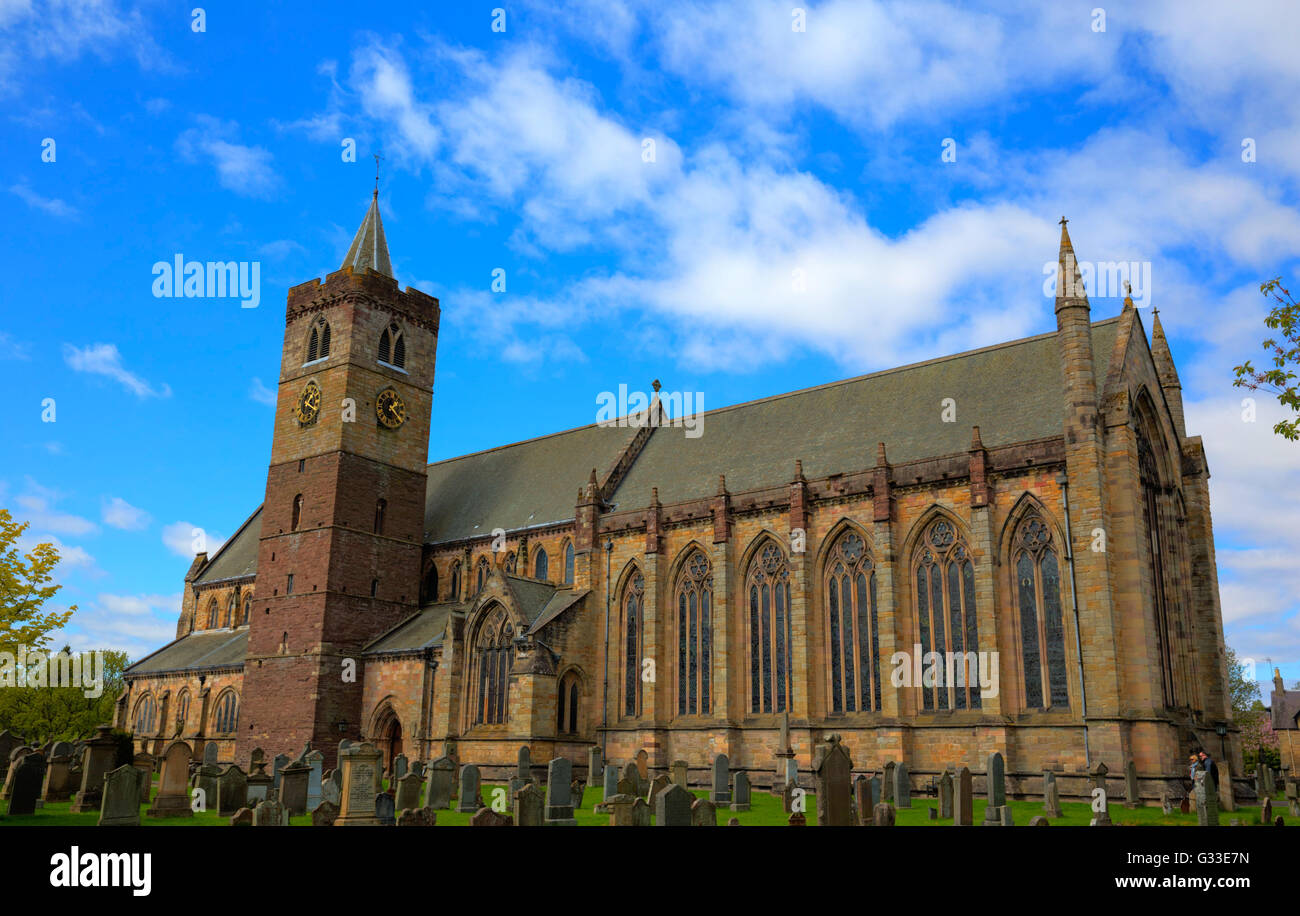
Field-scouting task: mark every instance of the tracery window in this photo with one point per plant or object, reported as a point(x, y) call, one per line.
point(566, 705)
point(852, 626)
point(1161, 543)
point(213, 613)
point(511, 559)
point(945, 613)
point(248, 608)
point(568, 562)
point(769, 630)
point(182, 711)
point(454, 593)
point(227, 713)
point(633, 605)
point(318, 340)
point(482, 572)
point(694, 600)
point(145, 715)
point(1042, 628)
point(230, 611)
point(541, 564)
point(392, 347)
point(496, 653)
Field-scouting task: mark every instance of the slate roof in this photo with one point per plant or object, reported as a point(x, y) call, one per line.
point(238, 556)
point(419, 631)
point(201, 649)
point(1285, 708)
point(369, 248)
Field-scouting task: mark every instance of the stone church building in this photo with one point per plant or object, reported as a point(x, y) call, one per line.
point(1004, 549)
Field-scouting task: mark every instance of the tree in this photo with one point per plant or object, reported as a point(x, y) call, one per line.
point(63, 712)
point(25, 586)
point(1244, 690)
point(1285, 357)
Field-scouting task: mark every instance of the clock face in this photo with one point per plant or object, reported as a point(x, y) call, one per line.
point(389, 408)
point(308, 404)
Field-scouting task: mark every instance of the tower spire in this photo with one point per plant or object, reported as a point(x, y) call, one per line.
point(369, 249)
point(1167, 373)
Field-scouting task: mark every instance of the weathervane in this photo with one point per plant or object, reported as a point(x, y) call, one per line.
point(377, 158)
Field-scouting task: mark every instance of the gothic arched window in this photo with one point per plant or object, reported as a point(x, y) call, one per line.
point(227, 713)
point(429, 587)
point(230, 611)
point(297, 513)
point(145, 713)
point(694, 600)
point(454, 593)
point(213, 612)
point(945, 615)
point(568, 562)
point(1160, 542)
point(541, 564)
point(1042, 629)
point(511, 559)
point(633, 604)
point(318, 340)
point(496, 653)
point(852, 626)
point(248, 608)
point(566, 705)
point(392, 347)
point(182, 711)
point(769, 630)
point(482, 572)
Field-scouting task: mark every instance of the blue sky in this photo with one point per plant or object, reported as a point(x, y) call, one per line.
point(777, 153)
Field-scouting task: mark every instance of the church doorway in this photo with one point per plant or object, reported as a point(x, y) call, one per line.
point(388, 736)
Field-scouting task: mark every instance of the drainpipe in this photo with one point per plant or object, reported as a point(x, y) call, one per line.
point(604, 702)
point(1064, 483)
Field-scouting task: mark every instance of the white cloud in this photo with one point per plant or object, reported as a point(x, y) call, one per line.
point(261, 394)
point(37, 505)
point(71, 557)
point(246, 170)
point(104, 359)
point(119, 513)
point(186, 539)
point(51, 205)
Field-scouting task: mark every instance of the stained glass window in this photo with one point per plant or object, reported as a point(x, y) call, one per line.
point(694, 634)
point(633, 604)
point(1042, 629)
point(768, 583)
point(852, 629)
point(946, 619)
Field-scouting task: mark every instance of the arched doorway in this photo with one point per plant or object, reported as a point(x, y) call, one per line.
point(388, 735)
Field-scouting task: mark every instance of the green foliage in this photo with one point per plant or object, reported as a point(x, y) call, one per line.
point(1244, 690)
point(1284, 356)
point(63, 713)
point(25, 586)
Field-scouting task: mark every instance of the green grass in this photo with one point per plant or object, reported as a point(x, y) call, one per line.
point(765, 811)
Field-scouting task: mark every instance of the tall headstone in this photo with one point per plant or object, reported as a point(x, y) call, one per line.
point(610, 778)
point(315, 761)
point(963, 803)
point(293, 787)
point(1051, 795)
point(259, 784)
point(721, 791)
point(27, 777)
point(657, 785)
point(996, 790)
point(232, 790)
point(595, 767)
point(385, 810)
point(524, 767)
point(863, 801)
point(673, 807)
point(210, 754)
point(121, 805)
point(834, 771)
point(679, 771)
point(530, 806)
point(1207, 802)
point(887, 782)
point(1100, 797)
point(400, 765)
point(559, 793)
point(945, 795)
point(740, 792)
point(99, 757)
point(438, 783)
point(277, 767)
point(467, 799)
point(640, 813)
point(357, 796)
point(173, 798)
point(145, 763)
point(902, 786)
point(408, 792)
point(58, 779)
point(1132, 796)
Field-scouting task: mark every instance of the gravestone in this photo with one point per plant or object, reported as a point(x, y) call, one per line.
point(575, 796)
point(486, 817)
point(963, 801)
point(58, 779)
point(673, 807)
point(270, 813)
point(232, 790)
point(417, 817)
point(733, 822)
point(524, 767)
point(277, 767)
point(1266, 811)
point(721, 791)
point(862, 800)
point(242, 818)
point(293, 787)
point(26, 777)
point(902, 786)
point(15, 755)
point(740, 792)
point(1100, 797)
point(530, 806)
point(610, 778)
point(791, 771)
point(173, 798)
point(945, 795)
point(883, 815)
point(357, 791)
point(833, 768)
point(1132, 795)
point(205, 780)
point(595, 768)
point(408, 792)
point(209, 754)
point(643, 765)
point(121, 805)
point(515, 785)
point(1166, 803)
point(1051, 795)
point(99, 757)
point(995, 773)
point(797, 820)
point(257, 756)
point(559, 793)
point(315, 761)
point(467, 797)
point(1039, 821)
point(1185, 806)
point(145, 763)
point(9, 742)
point(680, 771)
point(325, 814)
point(384, 810)
point(400, 764)
point(640, 812)
point(630, 783)
point(417, 768)
point(1207, 802)
point(438, 783)
point(259, 784)
point(620, 809)
point(887, 782)
point(657, 785)
point(932, 814)
point(1005, 813)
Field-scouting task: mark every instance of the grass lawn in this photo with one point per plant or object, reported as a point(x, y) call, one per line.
point(765, 811)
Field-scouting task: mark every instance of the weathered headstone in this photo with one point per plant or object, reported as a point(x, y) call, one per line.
point(643, 765)
point(833, 768)
point(325, 814)
point(417, 817)
point(417, 767)
point(530, 806)
point(620, 809)
point(883, 816)
point(259, 784)
point(121, 805)
point(1007, 819)
point(232, 791)
point(438, 783)
point(293, 787)
point(721, 791)
point(315, 761)
point(640, 813)
point(862, 800)
point(575, 793)
point(145, 763)
point(408, 792)
point(657, 785)
point(255, 757)
point(679, 770)
point(99, 757)
point(15, 755)
point(384, 810)
point(1207, 802)
point(210, 754)
point(963, 802)
point(673, 807)
point(610, 779)
point(486, 817)
point(945, 795)
point(1100, 797)
point(595, 768)
point(58, 779)
point(1266, 811)
point(630, 782)
point(1039, 821)
point(467, 798)
point(400, 764)
point(173, 798)
point(1132, 795)
point(887, 781)
point(205, 781)
point(277, 767)
point(559, 793)
point(270, 813)
point(996, 774)
point(902, 786)
point(524, 767)
point(242, 818)
point(25, 784)
point(357, 793)
point(1051, 795)
point(740, 792)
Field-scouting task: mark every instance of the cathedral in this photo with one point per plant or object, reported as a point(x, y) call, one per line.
point(1007, 549)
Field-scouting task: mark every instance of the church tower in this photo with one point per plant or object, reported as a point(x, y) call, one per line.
point(343, 518)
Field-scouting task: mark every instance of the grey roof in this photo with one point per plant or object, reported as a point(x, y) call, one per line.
point(1013, 392)
point(202, 649)
point(238, 556)
point(419, 631)
point(517, 486)
point(369, 248)
point(561, 601)
point(1285, 709)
